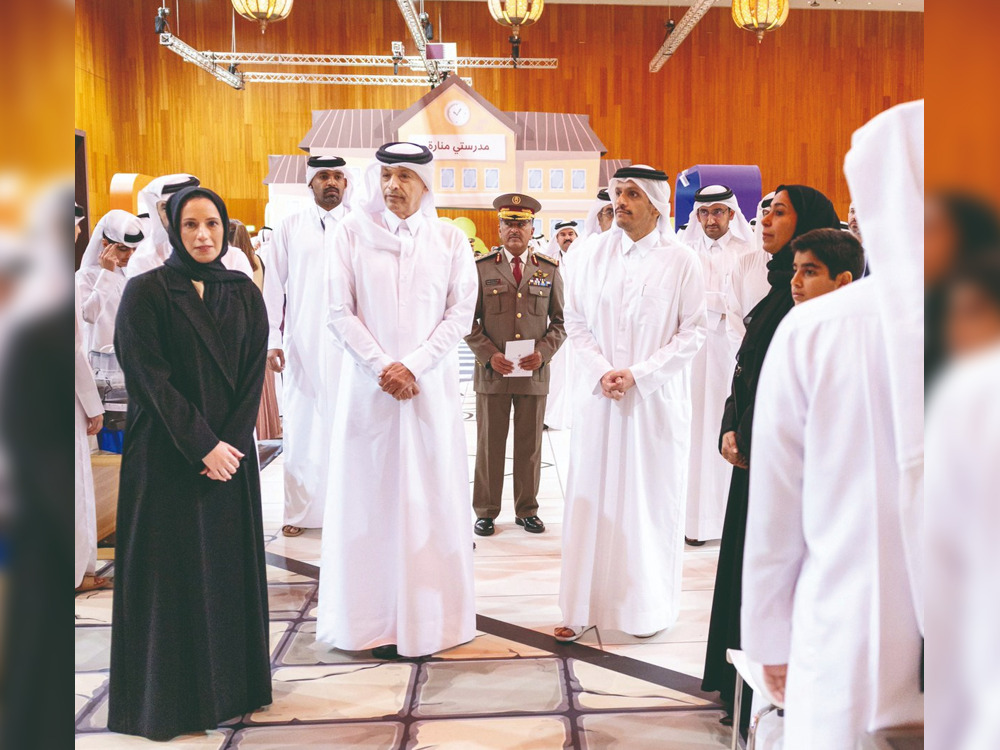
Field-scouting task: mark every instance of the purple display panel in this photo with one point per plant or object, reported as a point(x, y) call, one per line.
point(744, 179)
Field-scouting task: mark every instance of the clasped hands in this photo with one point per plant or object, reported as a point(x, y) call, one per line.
point(616, 383)
point(222, 462)
point(398, 382)
point(504, 366)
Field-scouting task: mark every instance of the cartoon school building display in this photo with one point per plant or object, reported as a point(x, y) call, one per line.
point(479, 153)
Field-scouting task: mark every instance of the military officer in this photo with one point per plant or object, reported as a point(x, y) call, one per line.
point(520, 298)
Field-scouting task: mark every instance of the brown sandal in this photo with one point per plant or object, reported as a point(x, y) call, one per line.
point(289, 530)
point(566, 634)
point(93, 583)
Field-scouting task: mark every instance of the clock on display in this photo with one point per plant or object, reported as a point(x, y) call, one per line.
point(457, 113)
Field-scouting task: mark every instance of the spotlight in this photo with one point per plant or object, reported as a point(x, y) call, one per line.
point(425, 21)
point(232, 68)
point(160, 24)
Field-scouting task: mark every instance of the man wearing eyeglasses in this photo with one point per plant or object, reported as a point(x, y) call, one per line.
point(721, 237)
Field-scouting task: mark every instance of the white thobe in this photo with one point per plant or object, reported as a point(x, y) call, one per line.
point(397, 546)
point(963, 661)
point(732, 285)
point(295, 287)
point(99, 292)
point(559, 403)
point(88, 404)
point(639, 306)
point(825, 583)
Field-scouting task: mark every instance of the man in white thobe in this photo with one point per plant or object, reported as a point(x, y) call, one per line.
point(831, 573)
point(635, 312)
point(88, 418)
point(720, 235)
point(559, 404)
point(101, 277)
point(155, 248)
point(295, 289)
point(396, 570)
point(600, 217)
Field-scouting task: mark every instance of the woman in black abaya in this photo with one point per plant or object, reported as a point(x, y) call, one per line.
point(795, 210)
point(189, 639)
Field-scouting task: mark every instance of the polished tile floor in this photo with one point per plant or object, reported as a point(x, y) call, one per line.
point(512, 687)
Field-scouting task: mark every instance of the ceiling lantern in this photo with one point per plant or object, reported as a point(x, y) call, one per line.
point(515, 14)
point(264, 11)
point(759, 16)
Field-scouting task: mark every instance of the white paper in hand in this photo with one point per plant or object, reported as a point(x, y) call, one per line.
point(513, 351)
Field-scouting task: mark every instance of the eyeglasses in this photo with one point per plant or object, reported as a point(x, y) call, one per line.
point(715, 213)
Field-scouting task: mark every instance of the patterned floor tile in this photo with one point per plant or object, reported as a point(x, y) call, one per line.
point(277, 629)
point(511, 540)
point(86, 687)
point(302, 649)
point(97, 717)
point(94, 607)
point(333, 692)
point(277, 575)
point(486, 646)
point(516, 576)
point(213, 740)
point(367, 736)
point(688, 658)
point(93, 649)
point(677, 730)
point(597, 688)
point(691, 626)
point(490, 687)
point(537, 612)
point(288, 598)
point(523, 733)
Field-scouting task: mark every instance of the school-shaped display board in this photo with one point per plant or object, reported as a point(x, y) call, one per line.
point(480, 152)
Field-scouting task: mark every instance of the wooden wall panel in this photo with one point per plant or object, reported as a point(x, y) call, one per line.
point(789, 104)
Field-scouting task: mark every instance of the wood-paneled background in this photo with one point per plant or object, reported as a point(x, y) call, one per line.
point(789, 104)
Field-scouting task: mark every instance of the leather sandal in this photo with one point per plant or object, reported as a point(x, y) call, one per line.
point(566, 634)
point(289, 530)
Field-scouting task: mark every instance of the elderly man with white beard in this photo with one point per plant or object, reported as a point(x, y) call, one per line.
point(396, 569)
point(635, 313)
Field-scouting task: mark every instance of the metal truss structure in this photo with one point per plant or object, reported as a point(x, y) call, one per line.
point(413, 62)
point(191, 55)
point(222, 65)
point(417, 32)
point(697, 11)
point(344, 79)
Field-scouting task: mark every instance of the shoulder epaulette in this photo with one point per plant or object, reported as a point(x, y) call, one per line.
point(484, 257)
point(541, 256)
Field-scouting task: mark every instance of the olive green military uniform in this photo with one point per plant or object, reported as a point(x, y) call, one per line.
point(508, 311)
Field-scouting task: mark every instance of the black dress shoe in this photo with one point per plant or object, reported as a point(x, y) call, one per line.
point(484, 527)
point(532, 524)
point(693, 542)
point(385, 652)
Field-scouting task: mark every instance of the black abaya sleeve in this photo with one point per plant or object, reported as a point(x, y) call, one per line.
point(728, 418)
point(242, 419)
point(138, 336)
point(744, 431)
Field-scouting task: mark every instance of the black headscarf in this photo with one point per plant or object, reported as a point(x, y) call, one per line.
point(815, 211)
point(180, 260)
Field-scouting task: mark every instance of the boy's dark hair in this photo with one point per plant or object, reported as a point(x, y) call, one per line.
point(839, 250)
